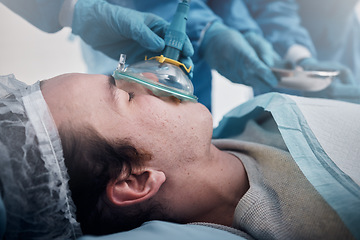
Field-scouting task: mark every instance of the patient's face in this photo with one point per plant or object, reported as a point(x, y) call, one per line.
point(161, 126)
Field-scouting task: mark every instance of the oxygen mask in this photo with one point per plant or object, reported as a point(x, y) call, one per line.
point(164, 75)
point(163, 79)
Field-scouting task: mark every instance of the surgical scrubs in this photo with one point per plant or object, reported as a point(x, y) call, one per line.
point(336, 37)
point(329, 29)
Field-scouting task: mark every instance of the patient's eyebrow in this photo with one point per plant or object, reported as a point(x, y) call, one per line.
point(111, 80)
point(112, 88)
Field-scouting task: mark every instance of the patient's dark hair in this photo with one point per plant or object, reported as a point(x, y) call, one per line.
point(92, 161)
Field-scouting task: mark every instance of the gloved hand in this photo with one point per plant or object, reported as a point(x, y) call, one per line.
point(345, 74)
point(227, 51)
point(338, 91)
point(113, 29)
point(263, 48)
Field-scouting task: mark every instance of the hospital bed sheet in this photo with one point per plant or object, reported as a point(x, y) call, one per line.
point(158, 230)
point(321, 135)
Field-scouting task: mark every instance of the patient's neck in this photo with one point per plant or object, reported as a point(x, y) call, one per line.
point(206, 189)
point(231, 183)
point(237, 179)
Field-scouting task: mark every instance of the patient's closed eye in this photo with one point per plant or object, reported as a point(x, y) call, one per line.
point(131, 96)
point(112, 80)
point(112, 83)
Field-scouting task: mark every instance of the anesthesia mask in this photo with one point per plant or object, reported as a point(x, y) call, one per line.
point(163, 79)
point(164, 75)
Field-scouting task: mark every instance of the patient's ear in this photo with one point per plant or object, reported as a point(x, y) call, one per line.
point(135, 188)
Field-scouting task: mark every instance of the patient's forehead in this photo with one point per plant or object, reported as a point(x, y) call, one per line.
point(73, 80)
point(71, 95)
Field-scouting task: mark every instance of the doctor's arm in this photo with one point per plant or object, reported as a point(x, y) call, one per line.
point(281, 24)
point(235, 14)
point(108, 28)
point(42, 14)
point(227, 51)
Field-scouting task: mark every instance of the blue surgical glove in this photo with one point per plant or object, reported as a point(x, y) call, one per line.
point(345, 74)
point(227, 51)
point(338, 91)
point(113, 30)
point(263, 48)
